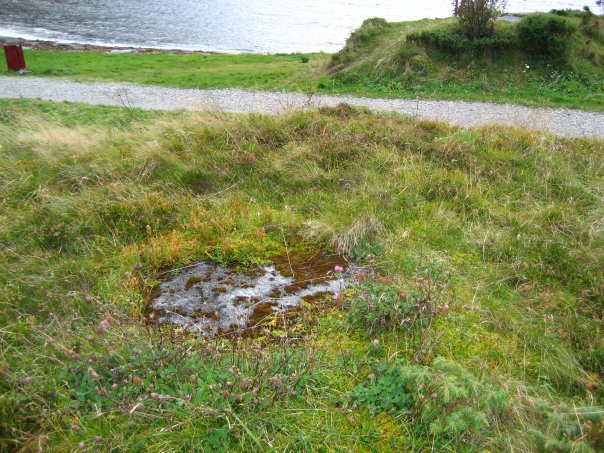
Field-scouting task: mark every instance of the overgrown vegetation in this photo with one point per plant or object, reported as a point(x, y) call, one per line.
point(453, 39)
point(481, 328)
point(363, 40)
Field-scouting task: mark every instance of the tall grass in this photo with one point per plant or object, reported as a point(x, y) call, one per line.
point(90, 214)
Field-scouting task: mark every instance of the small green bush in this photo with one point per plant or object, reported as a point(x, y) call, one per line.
point(375, 22)
point(406, 53)
point(443, 400)
point(452, 39)
point(448, 39)
point(477, 17)
point(545, 35)
point(567, 12)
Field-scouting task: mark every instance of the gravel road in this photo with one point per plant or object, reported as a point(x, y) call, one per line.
point(563, 122)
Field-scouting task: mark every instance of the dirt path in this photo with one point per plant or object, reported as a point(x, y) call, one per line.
point(563, 122)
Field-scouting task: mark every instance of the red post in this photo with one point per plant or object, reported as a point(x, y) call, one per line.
point(14, 57)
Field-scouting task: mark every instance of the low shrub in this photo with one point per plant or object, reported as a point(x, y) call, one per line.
point(567, 12)
point(543, 34)
point(375, 22)
point(449, 39)
point(380, 305)
point(452, 39)
point(406, 53)
point(477, 17)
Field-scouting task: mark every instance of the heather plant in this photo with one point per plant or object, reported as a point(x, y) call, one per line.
point(381, 305)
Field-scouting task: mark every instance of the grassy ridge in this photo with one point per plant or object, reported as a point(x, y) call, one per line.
point(377, 61)
point(506, 224)
point(394, 58)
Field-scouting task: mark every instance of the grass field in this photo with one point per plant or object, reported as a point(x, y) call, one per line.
point(483, 331)
point(376, 62)
point(269, 72)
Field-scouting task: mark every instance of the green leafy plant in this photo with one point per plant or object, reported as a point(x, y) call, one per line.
point(477, 17)
point(443, 400)
point(545, 35)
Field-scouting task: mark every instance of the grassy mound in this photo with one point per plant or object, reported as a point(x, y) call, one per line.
point(546, 58)
point(483, 330)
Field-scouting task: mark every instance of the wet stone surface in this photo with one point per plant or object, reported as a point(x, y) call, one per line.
point(209, 299)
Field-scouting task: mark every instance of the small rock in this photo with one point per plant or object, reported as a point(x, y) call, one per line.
point(123, 51)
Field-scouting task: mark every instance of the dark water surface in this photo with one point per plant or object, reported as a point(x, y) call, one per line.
point(264, 26)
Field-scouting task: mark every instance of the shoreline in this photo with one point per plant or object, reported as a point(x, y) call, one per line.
point(75, 47)
point(48, 45)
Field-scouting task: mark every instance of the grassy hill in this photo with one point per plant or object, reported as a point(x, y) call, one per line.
point(433, 58)
point(482, 332)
